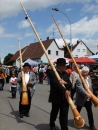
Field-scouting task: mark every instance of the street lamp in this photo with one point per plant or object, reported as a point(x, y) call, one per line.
point(56, 9)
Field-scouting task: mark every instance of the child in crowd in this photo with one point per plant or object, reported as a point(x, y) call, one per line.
point(13, 82)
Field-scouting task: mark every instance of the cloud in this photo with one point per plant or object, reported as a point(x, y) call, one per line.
point(6, 35)
point(91, 43)
point(23, 24)
point(3, 34)
point(69, 9)
point(28, 34)
point(83, 27)
point(90, 8)
point(96, 1)
point(9, 8)
point(60, 41)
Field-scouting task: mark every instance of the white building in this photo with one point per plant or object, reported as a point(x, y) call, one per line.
point(35, 52)
point(80, 49)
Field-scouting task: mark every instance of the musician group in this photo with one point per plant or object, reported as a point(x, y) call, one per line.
point(58, 95)
point(63, 85)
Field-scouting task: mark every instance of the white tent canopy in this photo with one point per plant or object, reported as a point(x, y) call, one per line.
point(95, 57)
point(31, 62)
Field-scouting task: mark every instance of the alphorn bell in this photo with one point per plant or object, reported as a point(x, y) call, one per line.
point(93, 97)
point(24, 100)
point(77, 116)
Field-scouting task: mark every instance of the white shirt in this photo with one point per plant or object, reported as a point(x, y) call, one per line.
point(13, 80)
point(27, 76)
point(87, 85)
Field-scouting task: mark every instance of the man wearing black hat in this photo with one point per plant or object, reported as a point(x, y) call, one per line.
point(30, 80)
point(58, 95)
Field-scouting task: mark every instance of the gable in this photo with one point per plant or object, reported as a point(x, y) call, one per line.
point(78, 45)
point(35, 51)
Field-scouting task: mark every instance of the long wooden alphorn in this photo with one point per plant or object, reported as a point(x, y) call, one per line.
point(80, 120)
point(93, 97)
point(24, 100)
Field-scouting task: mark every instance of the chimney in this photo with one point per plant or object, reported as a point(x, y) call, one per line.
point(47, 38)
point(78, 41)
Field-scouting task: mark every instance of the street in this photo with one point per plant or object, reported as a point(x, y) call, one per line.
point(39, 113)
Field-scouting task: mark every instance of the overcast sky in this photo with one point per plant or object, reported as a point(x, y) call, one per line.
point(83, 15)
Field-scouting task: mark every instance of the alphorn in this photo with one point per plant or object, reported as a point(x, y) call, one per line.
point(78, 119)
point(93, 97)
point(24, 100)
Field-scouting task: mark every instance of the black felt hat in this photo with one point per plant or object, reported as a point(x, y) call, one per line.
point(61, 61)
point(26, 64)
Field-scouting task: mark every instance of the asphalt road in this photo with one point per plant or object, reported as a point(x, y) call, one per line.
point(39, 113)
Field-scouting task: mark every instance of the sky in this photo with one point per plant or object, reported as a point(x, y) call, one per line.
point(79, 21)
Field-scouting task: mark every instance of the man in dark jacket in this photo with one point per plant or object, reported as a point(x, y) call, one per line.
point(58, 95)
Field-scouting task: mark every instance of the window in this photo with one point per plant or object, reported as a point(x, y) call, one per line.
point(78, 50)
point(57, 53)
point(49, 52)
point(83, 50)
point(76, 55)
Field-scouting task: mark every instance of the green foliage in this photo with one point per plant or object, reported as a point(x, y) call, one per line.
point(7, 58)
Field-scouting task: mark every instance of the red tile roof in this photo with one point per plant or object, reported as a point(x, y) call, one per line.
point(35, 50)
point(16, 55)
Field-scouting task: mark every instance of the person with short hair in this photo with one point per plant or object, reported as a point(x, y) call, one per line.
point(58, 95)
point(73, 77)
point(83, 98)
point(41, 74)
point(13, 81)
point(30, 80)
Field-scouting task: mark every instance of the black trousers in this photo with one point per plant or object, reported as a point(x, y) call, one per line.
point(24, 109)
point(62, 108)
point(89, 112)
point(41, 75)
point(13, 91)
point(7, 79)
point(2, 82)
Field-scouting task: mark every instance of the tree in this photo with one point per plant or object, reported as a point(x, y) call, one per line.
point(65, 49)
point(7, 58)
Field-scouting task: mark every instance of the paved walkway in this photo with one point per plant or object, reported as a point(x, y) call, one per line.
point(39, 113)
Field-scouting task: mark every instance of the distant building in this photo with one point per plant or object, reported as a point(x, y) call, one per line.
point(35, 52)
point(80, 49)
